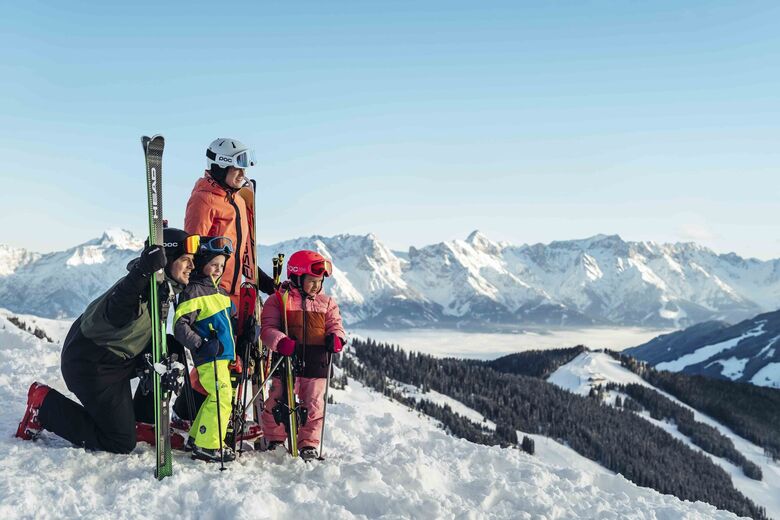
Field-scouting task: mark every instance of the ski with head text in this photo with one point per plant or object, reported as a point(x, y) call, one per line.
point(153, 150)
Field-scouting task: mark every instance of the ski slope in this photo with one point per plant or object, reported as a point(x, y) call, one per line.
point(576, 376)
point(384, 461)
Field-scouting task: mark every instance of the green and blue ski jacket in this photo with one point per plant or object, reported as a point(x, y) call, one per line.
point(204, 309)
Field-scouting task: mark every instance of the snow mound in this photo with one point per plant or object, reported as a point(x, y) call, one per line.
point(384, 461)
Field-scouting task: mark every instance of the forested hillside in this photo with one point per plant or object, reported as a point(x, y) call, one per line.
point(616, 438)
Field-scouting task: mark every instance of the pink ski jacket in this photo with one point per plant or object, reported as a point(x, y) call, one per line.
point(309, 321)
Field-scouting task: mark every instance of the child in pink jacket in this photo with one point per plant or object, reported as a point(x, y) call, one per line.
point(314, 333)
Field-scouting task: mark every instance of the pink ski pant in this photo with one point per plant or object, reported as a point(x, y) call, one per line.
point(311, 393)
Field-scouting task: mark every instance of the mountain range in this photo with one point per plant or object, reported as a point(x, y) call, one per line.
point(475, 283)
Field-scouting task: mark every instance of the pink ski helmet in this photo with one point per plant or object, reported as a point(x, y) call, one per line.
point(308, 262)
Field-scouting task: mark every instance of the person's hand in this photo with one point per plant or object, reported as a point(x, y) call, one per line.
point(152, 259)
point(286, 346)
point(211, 347)
point(333, 343)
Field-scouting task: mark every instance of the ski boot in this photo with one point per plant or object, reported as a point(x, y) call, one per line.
point(308, 453)
point(212, 455)
point(30, 427)
point(263, 444)
point(144, 432)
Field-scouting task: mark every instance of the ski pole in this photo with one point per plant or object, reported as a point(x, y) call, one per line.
point(219, 417)
point(245, 385)
point(219, 408)
point(262, 384)
point(325, 405)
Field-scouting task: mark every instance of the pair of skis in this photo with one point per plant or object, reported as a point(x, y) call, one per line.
point(253, 354)
point(153, 151)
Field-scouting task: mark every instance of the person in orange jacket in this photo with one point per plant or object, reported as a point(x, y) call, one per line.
point(215, 209)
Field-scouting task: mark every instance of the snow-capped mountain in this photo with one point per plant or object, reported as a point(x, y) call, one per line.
point(12, 258)
point(474, 283)
point(746, 352)
point(61, 284)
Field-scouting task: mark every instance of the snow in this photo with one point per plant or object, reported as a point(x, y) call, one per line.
point(732, 367)
point(383, 461)
point(475, 345)
point(574, 377)
point(55, 329)
point(12, 258)
point(769, 376)
point(768, 351)
point(707, 351)
point(435, 397)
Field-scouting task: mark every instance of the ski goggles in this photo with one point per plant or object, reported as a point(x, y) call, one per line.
point(220, 245)
point(190, 245)
point(195, 244)
point(243, 159)
point(321, 268)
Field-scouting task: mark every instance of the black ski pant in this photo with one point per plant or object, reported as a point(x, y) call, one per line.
point(105, 419)
point(182, 408)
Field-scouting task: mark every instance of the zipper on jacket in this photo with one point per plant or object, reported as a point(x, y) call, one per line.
point(237, 252)
point(227, 316)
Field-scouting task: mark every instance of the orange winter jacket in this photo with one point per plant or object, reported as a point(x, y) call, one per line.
point(213, 211)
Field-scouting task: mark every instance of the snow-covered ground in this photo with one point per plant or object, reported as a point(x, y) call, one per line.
point(706, 352)
point(475, 345)
point(384, 461)
point(577, 377)
point(768, 376)
point(442, 400)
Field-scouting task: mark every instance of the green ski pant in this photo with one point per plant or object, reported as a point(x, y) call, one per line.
point(205, 429)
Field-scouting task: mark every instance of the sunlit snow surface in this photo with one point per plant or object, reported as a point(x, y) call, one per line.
point(384, 461)
point(591, 368)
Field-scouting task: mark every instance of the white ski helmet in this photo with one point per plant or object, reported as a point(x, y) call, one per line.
point(226, 152)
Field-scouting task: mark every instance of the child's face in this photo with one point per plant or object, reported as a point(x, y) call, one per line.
point(215, 267)
point(311, 284)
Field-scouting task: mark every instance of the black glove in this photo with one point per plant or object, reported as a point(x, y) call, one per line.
point(211, 347)
point(152, 259)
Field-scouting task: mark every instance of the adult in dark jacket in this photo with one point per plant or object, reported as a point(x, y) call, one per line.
point(101, 354)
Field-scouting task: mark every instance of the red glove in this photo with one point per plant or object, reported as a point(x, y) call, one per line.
point(333, 343)
point(286, 346)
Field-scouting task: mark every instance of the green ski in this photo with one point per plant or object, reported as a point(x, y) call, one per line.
point(153, 150)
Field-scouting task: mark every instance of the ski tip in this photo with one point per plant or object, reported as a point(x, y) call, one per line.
point(146, 140)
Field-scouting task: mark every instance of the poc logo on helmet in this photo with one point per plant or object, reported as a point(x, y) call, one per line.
point(170, 244)
point(225, 159)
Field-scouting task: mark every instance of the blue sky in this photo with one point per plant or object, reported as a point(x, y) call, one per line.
point(417, 121)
